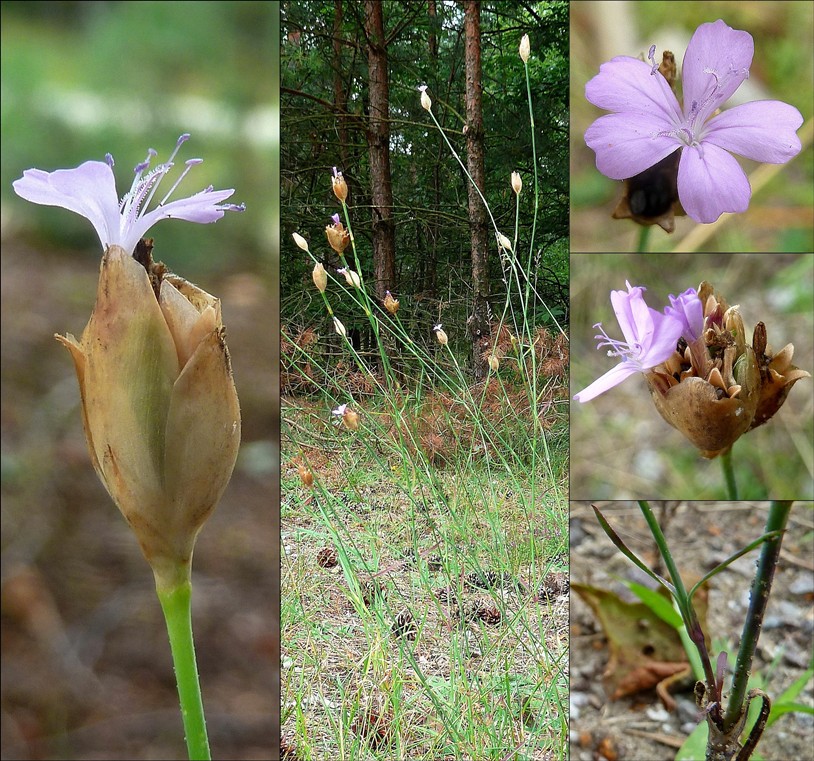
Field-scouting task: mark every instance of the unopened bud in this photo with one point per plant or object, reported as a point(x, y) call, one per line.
point(340, 187)
point(517, 183)
point(340, 328)
point(525, 48)
point(494, 363)
point(300, 241)
point(426, 103)
point(306, 476)
point(320, 277)
point(440, 335)
point(351, 277)
point(504, 242)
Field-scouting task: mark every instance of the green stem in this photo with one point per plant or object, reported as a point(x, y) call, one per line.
point(729, 474)
point(761, 587)
point(644, 235)
point(685, 606)
point(177, 606)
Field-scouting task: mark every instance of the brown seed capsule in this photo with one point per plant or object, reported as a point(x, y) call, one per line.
point(777, 376)
point(704, 413)
point(391, 304)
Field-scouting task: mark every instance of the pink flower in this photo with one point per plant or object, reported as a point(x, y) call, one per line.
point(90, 190)
point(687, 308)
point(647, 124)
point(650, 338)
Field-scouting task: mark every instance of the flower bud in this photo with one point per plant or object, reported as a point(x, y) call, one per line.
point(340, 187)
point(340, 328)
point(306, 476)
point(517, 183)
point(494, 363)
point(159, 405)
point(391, 304)
point(300, 241)
point(351, 277)
point(320, 277)
point(426, 103)
point(525, 48)
point(440, 335)
point(338, 237)
point(504, 242)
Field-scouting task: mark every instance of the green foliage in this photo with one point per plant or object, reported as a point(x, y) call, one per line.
point(430, 195)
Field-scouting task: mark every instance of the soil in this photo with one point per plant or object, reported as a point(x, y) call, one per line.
point(700, 535)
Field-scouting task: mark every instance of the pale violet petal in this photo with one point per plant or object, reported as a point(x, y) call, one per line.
point(627, 144)
point(625, 85)
point(89, 190)
point(202, 208)
point(715, 47)
point(763, 130)
point(612, 378)
point(711, 182)
point(666, 332)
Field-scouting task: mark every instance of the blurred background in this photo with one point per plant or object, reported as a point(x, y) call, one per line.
point(622, 448)
point(85, 658)
point(781, 213)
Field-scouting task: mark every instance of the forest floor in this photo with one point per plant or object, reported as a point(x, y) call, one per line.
point(414, 627)
point(700, 535)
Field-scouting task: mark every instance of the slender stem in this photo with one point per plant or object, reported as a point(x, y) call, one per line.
point(691, 622)
point(644, 235)
point(759, 597)
point(177, 606)
point(729, 474)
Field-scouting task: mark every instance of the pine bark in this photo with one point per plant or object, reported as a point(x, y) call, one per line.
point(378, 139)
point(478, 321)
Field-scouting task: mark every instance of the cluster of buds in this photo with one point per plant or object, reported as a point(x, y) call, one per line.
point(715, 387)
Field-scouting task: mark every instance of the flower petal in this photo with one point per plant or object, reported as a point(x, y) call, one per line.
point(612, 378)
point(711, 183)
point(763, 130)
point(202, 207)
point(626, 144)
point(625, 85)
point(717, 56)
point(89, 190)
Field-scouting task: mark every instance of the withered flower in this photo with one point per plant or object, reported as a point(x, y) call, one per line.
point(338, 237)
point(391, 304)
point(715, 387)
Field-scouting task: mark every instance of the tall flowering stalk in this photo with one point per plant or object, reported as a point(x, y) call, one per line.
point(159, 405)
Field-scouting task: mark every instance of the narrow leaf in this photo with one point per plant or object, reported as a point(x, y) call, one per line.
point(749, 547)
point(622, 547)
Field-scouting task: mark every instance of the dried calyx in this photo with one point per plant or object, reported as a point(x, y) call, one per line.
point(716, 387)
